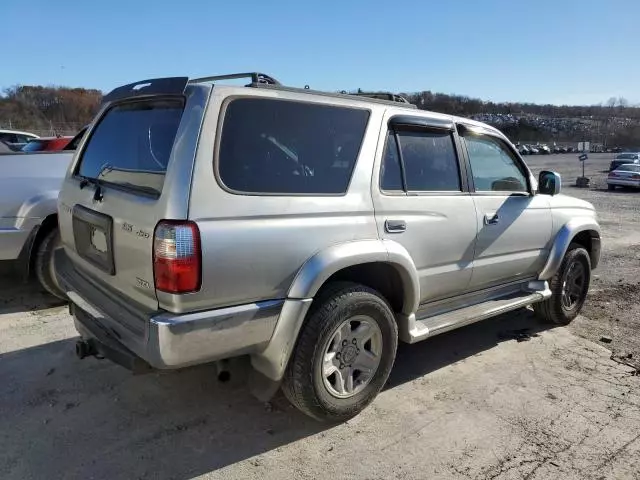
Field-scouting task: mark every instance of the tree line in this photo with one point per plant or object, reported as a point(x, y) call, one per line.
point(39, 108)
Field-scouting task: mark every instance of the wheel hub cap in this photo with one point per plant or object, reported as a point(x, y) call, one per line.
point(351, 356)
point(573, 285)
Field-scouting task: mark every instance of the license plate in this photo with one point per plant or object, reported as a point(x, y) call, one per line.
point(93, 235)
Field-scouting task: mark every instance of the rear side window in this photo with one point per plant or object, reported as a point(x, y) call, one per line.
point(131, 145)
point(430, 161)
point(283, 147)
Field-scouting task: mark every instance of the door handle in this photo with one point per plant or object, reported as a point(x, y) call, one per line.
point(395, 226)
point(491, 219)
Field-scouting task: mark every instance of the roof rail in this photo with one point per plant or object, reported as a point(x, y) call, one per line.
point(382, 96)
point(263, 80)
point(256, 78)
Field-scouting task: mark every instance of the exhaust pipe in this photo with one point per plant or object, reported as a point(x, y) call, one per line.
point(222, 369)
point(85, 349)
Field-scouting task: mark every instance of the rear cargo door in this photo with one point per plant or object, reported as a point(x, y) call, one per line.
point(112, 202)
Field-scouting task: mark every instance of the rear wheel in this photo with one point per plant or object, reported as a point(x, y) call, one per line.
point(344, 354)
point(43, 264)
point(569, 288)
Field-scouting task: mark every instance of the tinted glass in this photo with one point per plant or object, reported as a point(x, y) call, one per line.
point(24, 138)
point(275, 146)
point(391, 174)
point(493, 167)
point(8, 137)
point(430, 161)
point(627, 156)
point(75, 141)
point(132, 143)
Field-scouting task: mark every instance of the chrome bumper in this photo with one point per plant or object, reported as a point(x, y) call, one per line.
point(161, 339)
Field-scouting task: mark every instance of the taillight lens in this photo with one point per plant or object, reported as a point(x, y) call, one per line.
point(635, 176)
point(177, 257)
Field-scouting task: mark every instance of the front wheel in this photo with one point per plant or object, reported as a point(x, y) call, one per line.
point(569, 288)
point(611, 187)
point(345, 352)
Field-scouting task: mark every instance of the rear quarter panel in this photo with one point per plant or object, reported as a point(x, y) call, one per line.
point(29, 187)
point(253, 246)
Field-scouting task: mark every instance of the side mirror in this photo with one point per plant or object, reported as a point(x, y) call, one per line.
point(549, 183)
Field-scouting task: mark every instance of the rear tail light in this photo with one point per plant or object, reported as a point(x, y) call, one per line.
point(177, 257)
point(636, 176)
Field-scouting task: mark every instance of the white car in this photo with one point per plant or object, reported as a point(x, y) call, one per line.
point(15, 139)
point(627, 175)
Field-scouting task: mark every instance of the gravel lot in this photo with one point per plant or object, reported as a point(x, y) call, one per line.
point(473, 403)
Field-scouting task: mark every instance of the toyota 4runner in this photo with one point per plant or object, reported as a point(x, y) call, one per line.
point(310, 231)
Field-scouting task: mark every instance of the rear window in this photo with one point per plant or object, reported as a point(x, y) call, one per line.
point(627, 156)
point(131, 145)
point(272, 146)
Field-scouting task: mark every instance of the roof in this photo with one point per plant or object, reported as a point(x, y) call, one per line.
point(19, 132)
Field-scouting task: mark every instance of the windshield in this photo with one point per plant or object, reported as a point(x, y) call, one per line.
point(627, 156)
point(132, 144)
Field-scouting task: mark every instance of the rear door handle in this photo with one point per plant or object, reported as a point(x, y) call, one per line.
point(491, 219)
point(395, 226)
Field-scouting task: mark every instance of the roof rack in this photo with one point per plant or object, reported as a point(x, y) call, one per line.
point(381, 95)
point(263, 80)
point(257, 78)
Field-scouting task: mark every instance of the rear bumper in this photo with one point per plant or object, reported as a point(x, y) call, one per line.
point(161, 339)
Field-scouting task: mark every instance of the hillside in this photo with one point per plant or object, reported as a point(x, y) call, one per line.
point(52, 110)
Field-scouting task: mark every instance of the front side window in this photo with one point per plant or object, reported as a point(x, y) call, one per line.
point(493, 167)
point(283, 147)
point(430, 161)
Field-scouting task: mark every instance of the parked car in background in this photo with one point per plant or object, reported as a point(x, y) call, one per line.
point(626, 175)
point(47, 144)
point(624, 158)
point(16, 139)
point(202, 221)
point(545, 150)
point(29, 186)
point(523, 149)
point(534, 150)
point(4, 148)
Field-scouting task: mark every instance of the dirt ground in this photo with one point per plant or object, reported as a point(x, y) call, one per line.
point(475, 403)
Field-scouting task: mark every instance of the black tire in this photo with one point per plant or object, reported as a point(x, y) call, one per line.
point(554, 310)
point(43, 263)
point(611, 187)
point(303, 382)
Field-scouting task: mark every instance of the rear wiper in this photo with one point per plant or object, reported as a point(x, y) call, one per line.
point(86, 181)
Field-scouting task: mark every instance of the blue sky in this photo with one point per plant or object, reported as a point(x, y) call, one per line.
point(545, 51)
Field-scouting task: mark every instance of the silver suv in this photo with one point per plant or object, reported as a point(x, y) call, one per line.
point(310, 231)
